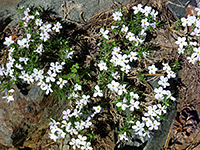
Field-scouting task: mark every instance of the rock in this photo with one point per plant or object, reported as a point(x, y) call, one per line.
point(87, 8)
point(7, 11)
point(24, 121)
point(178, 8)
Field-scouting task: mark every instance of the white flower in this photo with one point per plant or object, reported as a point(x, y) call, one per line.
point(38, 74)
point(79, 125)
point(19, 66)
point(79, 105)
point(151, 111)
point(97, 109)
point(115, 60)
point(159, 93)
point(57, 27)
point(51, 76)
point(11, 50)
point(113, 86)
point(77, 87)
point(161, 109)
point(73, 94)
point(147, 121)
point(27, 16)
point(77, 113)
point(197, 52)
point(166, 66)
point(124, 28)
point(186, 21)
point(138, 41)
point(171, 74)
point(154, 14)
point(130, 36)
point(82, 139)
point(8, 98)
point(123, 105)
point(56, 67)
point(163, 81)
point(137, 8)
point(97, 92)
point(85, 99)
point(44, 36)
point(88, 123)
point(61, 134)
point(145, 23)
point(152, 69)
point(29, 78)
point(198, 11)
point(114, 27)
point(25, 24)
point(66, 114)
point(66, 125)
point(42, 85)
point(181, 50)
point(123, 60)
point(154, 125)
point(123, 137)
point(8, 41)
point(192, 59)
point(116, 51)
point(61, 82)
point(39, 49)
point(134, 104)
point(48, 89)
point(169, 95)
point(104, 33)
point(22, 76)
point(181, 42)
point(102, 66)
point(68, 54)
point(53, 136)
point(37, 13)
point(46, 28)
point(132, 56)
point(74, 143)
point(117, 15)
point(23, 59)
point(126, 68)
point(134, 96)
point(146, 10)
point(38, 22)
point(115, 75)
point(22, 43)
point(121, 89)
point(138, 126)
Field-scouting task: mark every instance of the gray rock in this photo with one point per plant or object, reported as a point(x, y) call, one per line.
point(8, 11)
point(178, 8)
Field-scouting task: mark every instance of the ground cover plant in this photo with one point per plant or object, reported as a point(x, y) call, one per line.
point(120, 76)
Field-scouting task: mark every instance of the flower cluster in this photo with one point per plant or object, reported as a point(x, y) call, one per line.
point(74, 122)
point(120, 62)
point(116, 60)
point(25, 55)
point(185, 44)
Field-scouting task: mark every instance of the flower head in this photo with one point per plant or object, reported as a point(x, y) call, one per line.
point(102, 66)
point(117, 15)
point(152, 69)
point(104, 33)
point(8, 41)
